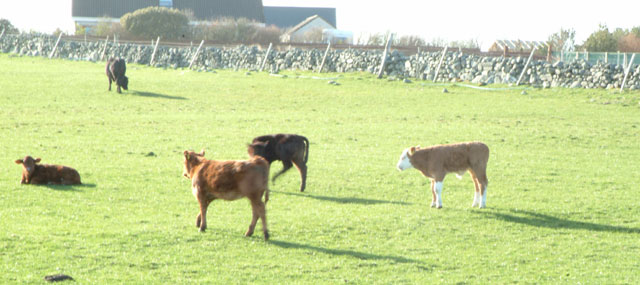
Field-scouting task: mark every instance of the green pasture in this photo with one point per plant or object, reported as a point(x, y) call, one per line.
point(563, 204)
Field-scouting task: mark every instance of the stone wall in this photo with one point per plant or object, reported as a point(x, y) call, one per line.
point(456, 66)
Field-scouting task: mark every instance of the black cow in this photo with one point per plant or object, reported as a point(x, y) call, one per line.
point(116, 68)
point(289, 148)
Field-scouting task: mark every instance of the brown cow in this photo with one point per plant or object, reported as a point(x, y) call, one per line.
point(436, 161)
point(228, 180)
point(291, 149)
point(33, 173)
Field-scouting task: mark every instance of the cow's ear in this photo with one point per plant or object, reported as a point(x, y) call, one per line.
point(202, 152)
point(19, 161)
point(412, 150)
point(186, 154)
point(37, 160)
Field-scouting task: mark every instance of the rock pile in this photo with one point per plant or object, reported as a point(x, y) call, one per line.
point(456, 66)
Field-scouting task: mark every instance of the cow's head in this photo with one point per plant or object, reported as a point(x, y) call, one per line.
point(124, 82)
point(191, 160)
point(28, 164)
point(404, 161)
point(257, 148)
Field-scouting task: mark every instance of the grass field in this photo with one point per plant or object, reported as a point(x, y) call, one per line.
point(563, 203)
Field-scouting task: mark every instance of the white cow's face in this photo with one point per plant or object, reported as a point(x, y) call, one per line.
point(403, 162)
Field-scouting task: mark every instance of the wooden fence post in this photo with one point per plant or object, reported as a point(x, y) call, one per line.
point(1, 34)
point(324, 57)
point(106, 42)
point(444, 53)
point(196, 55)
point(266, 55)
point(526, 65)
point(384, 55)
point(153, 55)
point(56, 46)
point(626, 72)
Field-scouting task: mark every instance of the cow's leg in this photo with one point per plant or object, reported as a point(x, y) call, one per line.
point(255, 205)
point(109, 82)
point(439, 194)
point(263, 216)
point(476, 195)
point(204, 204)
point(483, 183)
point(286, 165)
point(302, 167)
point(118, 88)
point(433, 194)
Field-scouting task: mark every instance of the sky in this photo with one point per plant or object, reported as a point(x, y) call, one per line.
point(483, 21)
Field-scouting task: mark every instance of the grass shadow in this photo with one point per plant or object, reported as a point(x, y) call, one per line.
point(155, 95)
point(346, 200)
point(547, 221)
point(342, 252)
point(58, 187)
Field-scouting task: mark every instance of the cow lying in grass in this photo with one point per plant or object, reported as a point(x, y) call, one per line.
point(289, 148)
point(33, 173)
point(116, 68)
point(228, 180)
point(436, 161)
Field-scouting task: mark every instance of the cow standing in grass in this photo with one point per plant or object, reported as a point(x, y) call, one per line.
point(291, 149)
point(116, 68)
point(436, 161)
point(228, 180)
point(34, 173)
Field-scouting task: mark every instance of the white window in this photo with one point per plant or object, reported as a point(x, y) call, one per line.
point(166, 3)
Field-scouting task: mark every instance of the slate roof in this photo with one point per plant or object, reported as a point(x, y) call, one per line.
point(202, 9)
point(286, 17)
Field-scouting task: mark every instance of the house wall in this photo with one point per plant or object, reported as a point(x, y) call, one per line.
point(298, 36)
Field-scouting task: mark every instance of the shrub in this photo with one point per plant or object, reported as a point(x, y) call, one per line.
point(80, 30)
point(601, 40)
point(227, 30)
point(629, 43)
point(8, 27)
point(152, 22)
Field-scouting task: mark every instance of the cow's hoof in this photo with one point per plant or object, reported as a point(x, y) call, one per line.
point(266, 235)
point(202, 230)
point(248, 233)
point(439, 207)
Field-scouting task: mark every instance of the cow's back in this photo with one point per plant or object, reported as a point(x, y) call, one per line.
point(232, 179)
point(457, 157)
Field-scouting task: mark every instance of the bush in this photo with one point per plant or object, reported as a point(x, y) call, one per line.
point(80, 30)
point(8, 27)
point(152, 22)
point(629, 43)
point(243, 31)
point(601, 40)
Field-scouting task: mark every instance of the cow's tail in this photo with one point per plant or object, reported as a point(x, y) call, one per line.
point(306, 152)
